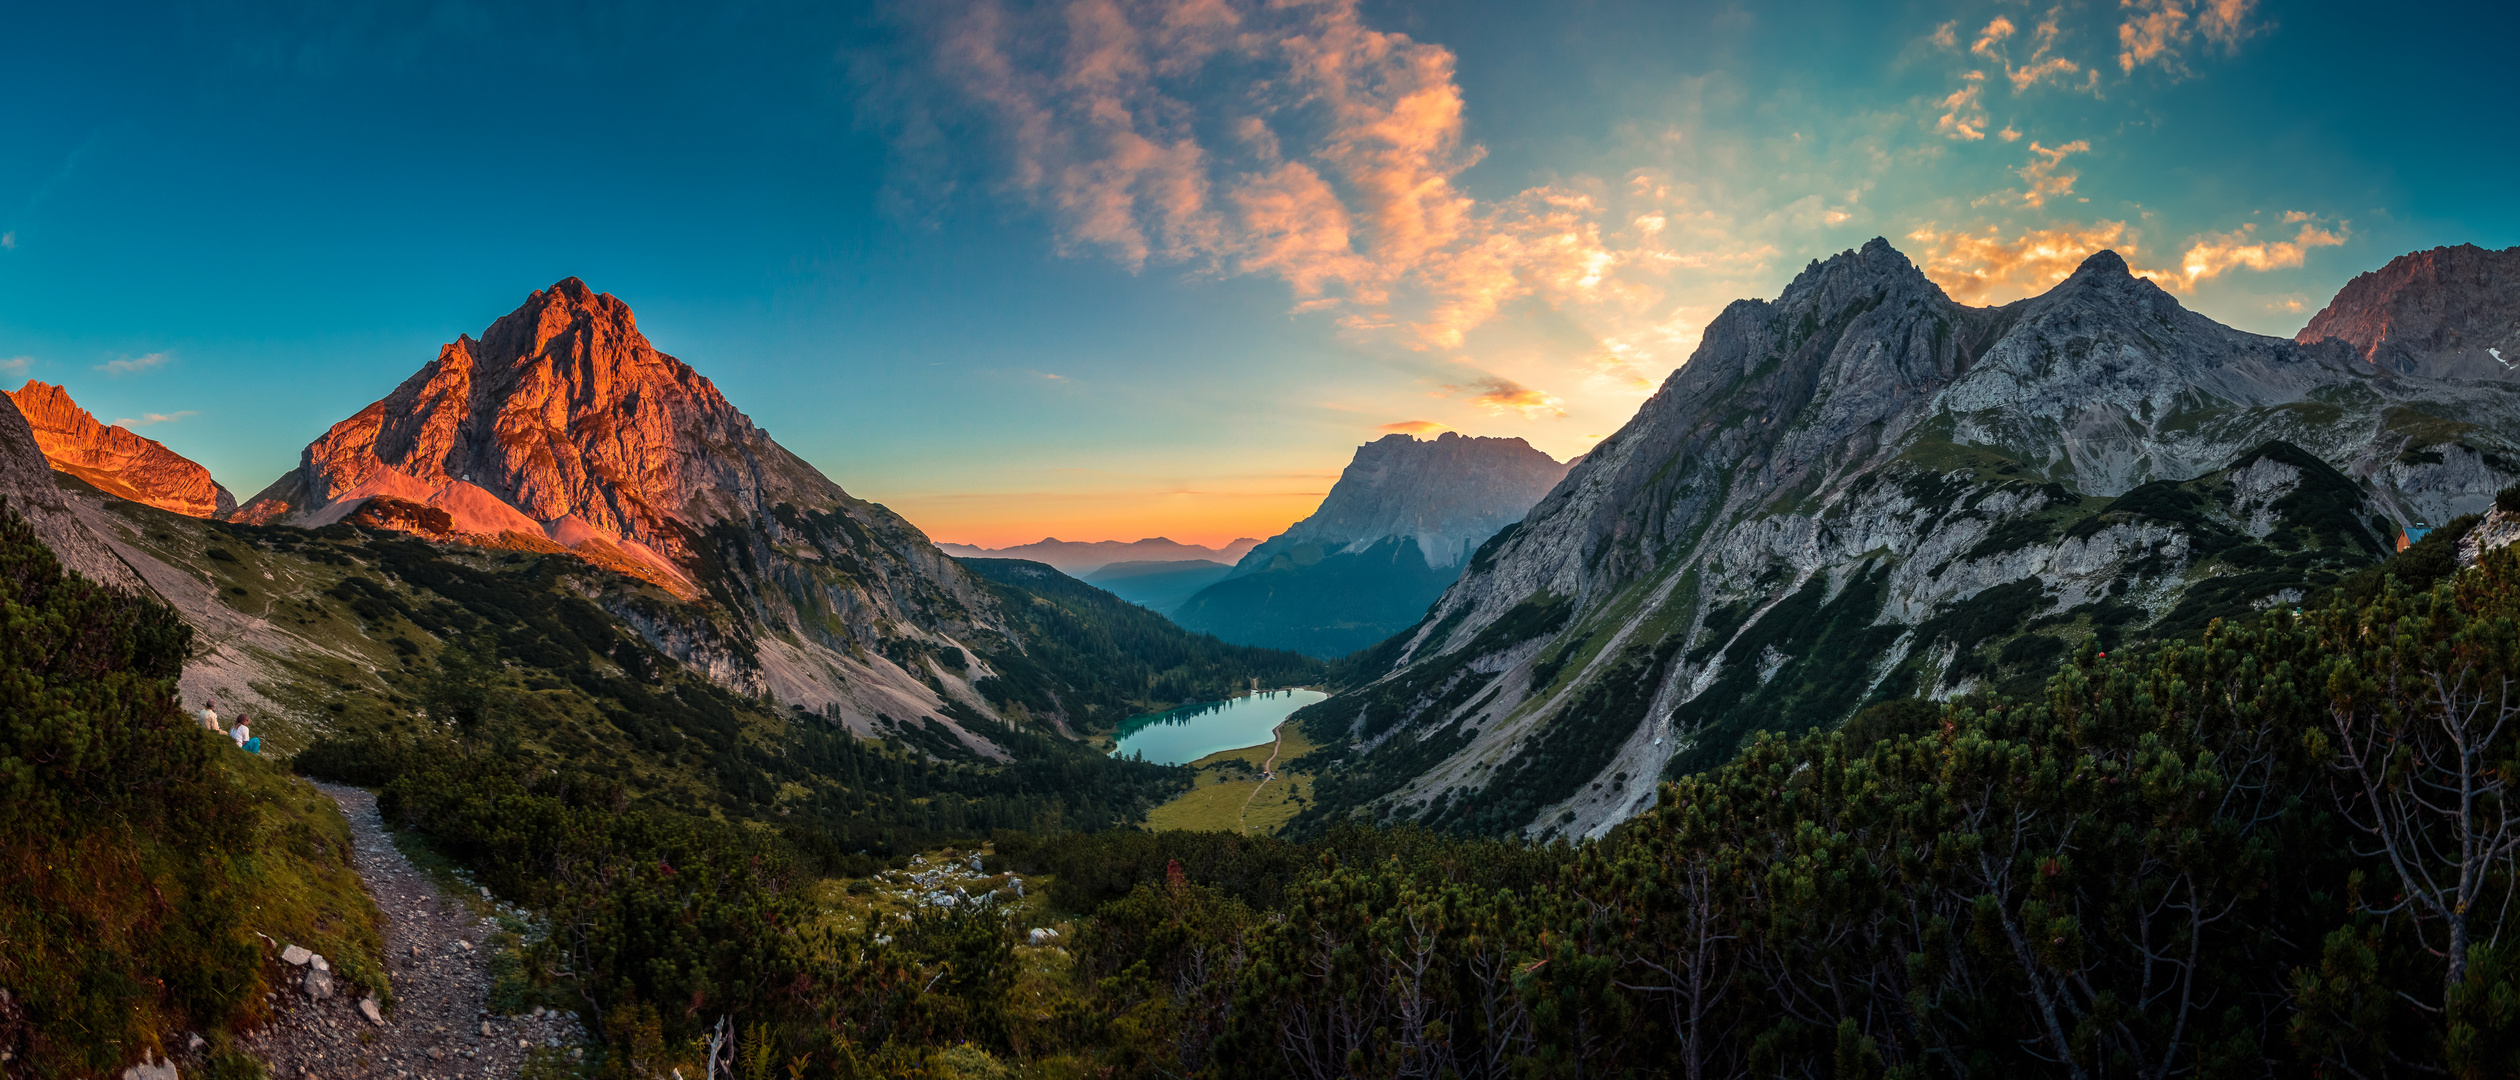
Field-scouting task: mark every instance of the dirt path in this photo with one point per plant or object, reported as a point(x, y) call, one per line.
point(1277, 745)
point(433, 947)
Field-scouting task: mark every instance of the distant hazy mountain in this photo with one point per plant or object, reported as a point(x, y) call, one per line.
point(1161, 586)
point(1396, 529)
point(114, 460)
point(1077, 558)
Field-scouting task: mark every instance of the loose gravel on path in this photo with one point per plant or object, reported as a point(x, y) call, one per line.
point(436, 955)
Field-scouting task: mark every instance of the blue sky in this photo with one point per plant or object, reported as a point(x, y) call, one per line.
point(1106, 269)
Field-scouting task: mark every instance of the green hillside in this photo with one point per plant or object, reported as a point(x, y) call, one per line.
point(148, 866)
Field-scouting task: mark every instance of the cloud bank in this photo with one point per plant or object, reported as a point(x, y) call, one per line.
point(1336, 171)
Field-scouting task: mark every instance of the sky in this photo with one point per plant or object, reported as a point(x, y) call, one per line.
point(1110, 269)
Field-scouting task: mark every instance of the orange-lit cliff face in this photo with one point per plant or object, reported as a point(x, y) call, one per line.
point(116, 461)
point(2451, 312)
point(562, 427)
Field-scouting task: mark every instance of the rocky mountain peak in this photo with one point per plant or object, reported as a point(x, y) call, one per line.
point(561, 425)
point(1875, 268)
point(2451, 312)
point(115, 460)
point(2102, 264)
point(1450, 493)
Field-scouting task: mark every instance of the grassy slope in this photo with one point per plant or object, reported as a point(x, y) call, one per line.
point(151, 870)
point(1229, 796)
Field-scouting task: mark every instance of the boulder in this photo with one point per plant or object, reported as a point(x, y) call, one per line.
point(318, 984)
point(367, 1008)
point(150, 1069)
point(295, 956)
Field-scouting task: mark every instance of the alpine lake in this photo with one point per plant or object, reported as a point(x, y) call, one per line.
point(1186, 734)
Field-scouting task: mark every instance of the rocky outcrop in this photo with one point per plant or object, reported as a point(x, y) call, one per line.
point(1081, 559)
point(27, 485)
point(2447, 313)
point(1862, 489)
point(116, 461)
point(1391, 534)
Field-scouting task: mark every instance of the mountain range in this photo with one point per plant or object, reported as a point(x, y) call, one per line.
point(1079, 559)
point(1859, 491)
point(1391, 534)
point(561, 432)
point(1863, 490)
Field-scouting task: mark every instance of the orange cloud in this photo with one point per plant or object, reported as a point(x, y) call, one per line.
point(1985, 268)
point(2157, 31)
point(1336, 174)
point(2043, 65)
point(2043, 175)
point(1497, 394)
point(1413, 427)
point(1963, 118)
point(2211, 254)
point(1992, 36)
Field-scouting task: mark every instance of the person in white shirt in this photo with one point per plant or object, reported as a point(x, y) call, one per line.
point(210, 716)
point(242, 733)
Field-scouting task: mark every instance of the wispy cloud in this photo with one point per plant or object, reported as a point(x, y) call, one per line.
point(1964, 117)
point(1335, 170)
point(2044, 175)
point(1987, 267)
point(134, 364)
point(2159, 32)
point(1497, 394)
point(1413, 427)
point(147, 419)
point(8, 240)
point(2213, 253)
point(16, 365)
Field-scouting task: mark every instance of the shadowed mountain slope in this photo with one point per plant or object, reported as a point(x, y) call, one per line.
point(1395, 529)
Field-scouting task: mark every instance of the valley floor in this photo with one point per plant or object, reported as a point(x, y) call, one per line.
point(439, 951)
point(1231, 794)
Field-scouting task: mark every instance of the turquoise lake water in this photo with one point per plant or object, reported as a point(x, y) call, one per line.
point(1191, 732)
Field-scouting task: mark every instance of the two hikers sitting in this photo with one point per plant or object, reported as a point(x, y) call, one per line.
point(245, 738)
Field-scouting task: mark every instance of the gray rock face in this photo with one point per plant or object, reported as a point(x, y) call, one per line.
point(26, 481)
point(2447, 313)
point(1450, 493)
point(1863, 488)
